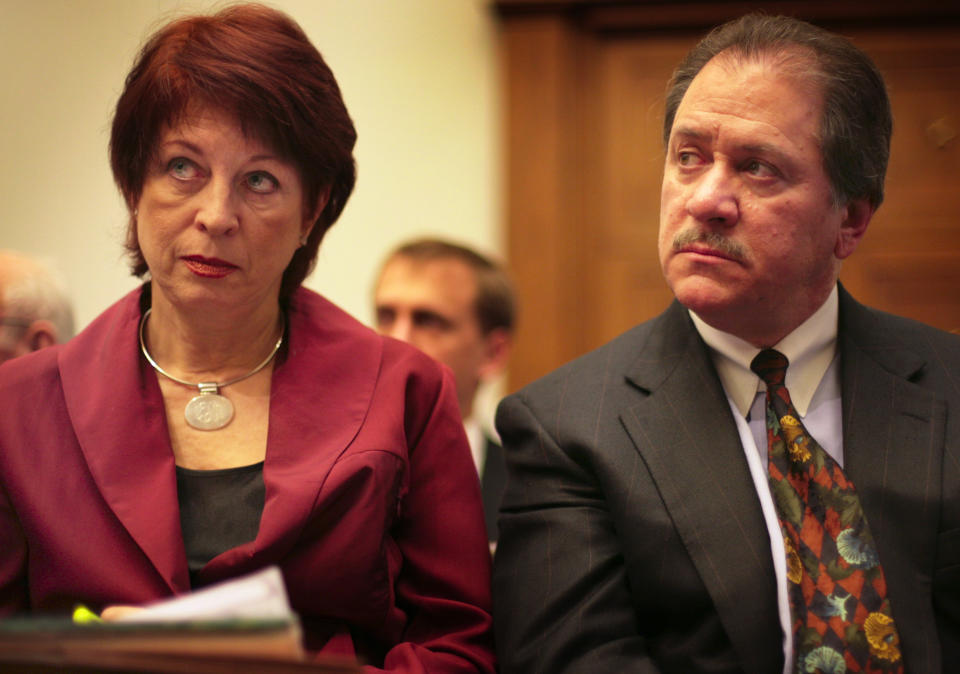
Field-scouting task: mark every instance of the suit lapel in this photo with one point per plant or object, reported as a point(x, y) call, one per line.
point(117, 412)
point(893, 451)
point(688, 439)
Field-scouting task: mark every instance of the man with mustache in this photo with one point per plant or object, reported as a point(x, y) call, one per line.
point(664, 510)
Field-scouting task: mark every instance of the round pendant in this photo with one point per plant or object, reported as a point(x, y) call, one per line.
point(208, 411)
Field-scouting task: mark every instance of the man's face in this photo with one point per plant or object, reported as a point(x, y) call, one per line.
point(14, 335)
point(11, 332)
point(9, 344)
point(432, 305)
point(749, 237)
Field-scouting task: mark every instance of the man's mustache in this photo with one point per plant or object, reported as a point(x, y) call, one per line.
point(718, 242)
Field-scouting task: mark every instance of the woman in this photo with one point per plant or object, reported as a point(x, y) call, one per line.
point(222, 418)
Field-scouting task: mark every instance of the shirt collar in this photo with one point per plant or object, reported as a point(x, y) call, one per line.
point(810, 348)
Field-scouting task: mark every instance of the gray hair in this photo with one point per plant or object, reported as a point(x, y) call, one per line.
point(36, 292)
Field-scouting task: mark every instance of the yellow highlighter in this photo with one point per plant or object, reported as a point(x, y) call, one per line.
point(83, 615)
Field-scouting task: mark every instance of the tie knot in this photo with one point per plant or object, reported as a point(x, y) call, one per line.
point(771, 366)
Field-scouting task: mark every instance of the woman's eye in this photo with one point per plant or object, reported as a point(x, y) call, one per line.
point(261, 182)
point(182, 168)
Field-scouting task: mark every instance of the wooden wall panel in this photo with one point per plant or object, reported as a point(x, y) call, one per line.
point(909, 261)
point(540, 69)
point(625, 285)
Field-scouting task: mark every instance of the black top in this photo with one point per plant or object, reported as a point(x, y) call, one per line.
point(219, 510)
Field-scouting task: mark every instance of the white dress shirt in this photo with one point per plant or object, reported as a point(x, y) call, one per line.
point(813, 380)
point(478, 443)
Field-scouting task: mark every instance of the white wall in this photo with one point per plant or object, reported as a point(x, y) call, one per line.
point(417, 77)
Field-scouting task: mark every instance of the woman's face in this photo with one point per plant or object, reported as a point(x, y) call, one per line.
point(220, 216)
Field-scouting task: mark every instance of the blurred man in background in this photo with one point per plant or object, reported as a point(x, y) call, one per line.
point(457, 306)
point(34, 309)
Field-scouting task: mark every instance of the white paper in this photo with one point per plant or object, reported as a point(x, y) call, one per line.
point(260, 595)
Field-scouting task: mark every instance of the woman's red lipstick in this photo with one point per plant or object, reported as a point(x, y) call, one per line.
point(208, 267)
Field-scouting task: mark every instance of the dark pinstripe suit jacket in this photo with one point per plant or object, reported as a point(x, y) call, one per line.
point(631, 535)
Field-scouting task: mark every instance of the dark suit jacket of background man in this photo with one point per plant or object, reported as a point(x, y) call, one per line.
point(492, 483)
point(627, 475)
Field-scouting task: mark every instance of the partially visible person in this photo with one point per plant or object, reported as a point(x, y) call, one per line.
point(766, 476)
point(35, 310)
point(458, 307)
point(222, 418)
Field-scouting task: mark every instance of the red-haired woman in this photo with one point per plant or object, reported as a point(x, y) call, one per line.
point(221, 418)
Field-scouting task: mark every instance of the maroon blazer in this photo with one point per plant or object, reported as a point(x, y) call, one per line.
point(372, 507)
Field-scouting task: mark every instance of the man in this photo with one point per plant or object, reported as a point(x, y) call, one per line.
point(456, 306)
point(34, 309)
point(644, 527)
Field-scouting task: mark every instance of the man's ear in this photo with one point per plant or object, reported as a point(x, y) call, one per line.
point(40, 334)
point(857, 214)
point(497, 346)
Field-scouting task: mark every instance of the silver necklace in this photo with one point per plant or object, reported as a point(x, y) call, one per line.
point(208, 411)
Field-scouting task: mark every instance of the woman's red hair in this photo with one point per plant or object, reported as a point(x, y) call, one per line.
point(256, 64)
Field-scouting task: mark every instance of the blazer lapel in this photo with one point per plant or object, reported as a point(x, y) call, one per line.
point(688, 439)
point(116, 408)
point(320, 395)
point(893, 434)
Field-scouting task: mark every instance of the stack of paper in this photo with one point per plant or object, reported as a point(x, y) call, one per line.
point(242, 625)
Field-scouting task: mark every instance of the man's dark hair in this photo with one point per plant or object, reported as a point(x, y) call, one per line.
point(495, 303)
point(856, 121)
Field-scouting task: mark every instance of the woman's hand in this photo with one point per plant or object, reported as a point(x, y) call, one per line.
point(112, 613)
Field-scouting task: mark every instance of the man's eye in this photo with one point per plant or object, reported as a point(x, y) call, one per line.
point(431, 321)
point(384, 318)
point(262, 182)
point(686, 158)
point(759, 169)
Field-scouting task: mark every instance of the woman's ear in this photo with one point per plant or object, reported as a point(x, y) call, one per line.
point(314, 214)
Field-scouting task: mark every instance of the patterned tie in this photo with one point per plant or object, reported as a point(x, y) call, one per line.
point(838, 596)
